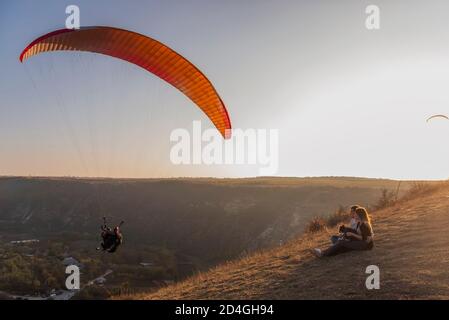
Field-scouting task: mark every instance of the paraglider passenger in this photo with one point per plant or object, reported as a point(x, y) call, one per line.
point(112, 239)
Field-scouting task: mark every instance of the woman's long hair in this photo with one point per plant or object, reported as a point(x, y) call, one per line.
point(362, 213)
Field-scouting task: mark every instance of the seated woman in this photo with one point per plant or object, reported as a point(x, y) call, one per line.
point(353, 226)
point(361, 240)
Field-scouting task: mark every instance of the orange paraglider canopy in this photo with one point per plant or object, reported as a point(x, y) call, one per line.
point(145, 52)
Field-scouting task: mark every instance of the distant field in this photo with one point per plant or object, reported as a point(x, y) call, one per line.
point(262, 181)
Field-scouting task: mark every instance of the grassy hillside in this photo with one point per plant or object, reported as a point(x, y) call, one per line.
point(411, 251)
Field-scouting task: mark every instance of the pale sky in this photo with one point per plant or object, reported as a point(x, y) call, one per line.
point(347, 101)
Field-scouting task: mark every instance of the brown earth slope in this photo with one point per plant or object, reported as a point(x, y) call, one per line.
point(412, 252)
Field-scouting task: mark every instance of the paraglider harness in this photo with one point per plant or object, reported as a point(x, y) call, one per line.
point(112, 239)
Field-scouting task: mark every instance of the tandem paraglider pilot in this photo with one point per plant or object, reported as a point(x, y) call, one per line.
point(111, 238)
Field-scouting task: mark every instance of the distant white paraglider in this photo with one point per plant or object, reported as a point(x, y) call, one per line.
point(437, 116)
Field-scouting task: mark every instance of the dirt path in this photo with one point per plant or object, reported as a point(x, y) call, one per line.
point(412, 252)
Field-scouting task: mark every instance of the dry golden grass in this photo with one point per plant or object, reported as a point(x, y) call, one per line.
point(412, 252)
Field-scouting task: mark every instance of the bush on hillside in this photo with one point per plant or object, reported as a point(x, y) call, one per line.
point(387, 199)
point(316, 224)
point(340, 215)
point(420, 189)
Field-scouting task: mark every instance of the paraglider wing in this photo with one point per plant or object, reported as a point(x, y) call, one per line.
point(437, 116)
point(145, 52)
